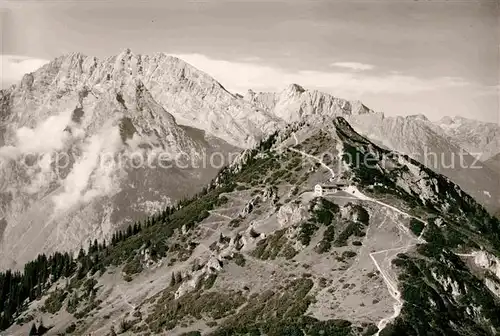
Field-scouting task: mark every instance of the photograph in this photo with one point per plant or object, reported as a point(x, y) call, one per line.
point(250, 167)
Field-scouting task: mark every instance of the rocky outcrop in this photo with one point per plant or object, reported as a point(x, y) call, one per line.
point(448, 283)
point(487, 261)
point(192, 279)
point(491, 264)
point(249, 206)
point(270, 194)
point(291, 214)
point(247, 209)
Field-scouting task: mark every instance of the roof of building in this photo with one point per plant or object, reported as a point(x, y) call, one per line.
point(333, 185)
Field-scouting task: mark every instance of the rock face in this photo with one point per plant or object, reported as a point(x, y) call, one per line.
point(291, 214)
point(494, 163)
point(60, 123)
point(295, 104)
point(419, 138)
point(487, 261)
point(474, 136)
point(88, 146)
point(191, 96)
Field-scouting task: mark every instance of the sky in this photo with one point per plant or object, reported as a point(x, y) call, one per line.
point(400, 57)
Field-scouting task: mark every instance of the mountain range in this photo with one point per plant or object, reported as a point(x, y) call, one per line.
point(394, 249)
point(474, 136)
point(169, 244)
point(123, 106)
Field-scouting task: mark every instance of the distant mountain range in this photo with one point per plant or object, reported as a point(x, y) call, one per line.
point(474, 136)
point(127, 104)
point(430, 144)
point(494, 162)
point(327, 218)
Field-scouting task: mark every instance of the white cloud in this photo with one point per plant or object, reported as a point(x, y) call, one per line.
point(349, 84)
point(236, 76)
point(241, 76)
point(353, 66)
point(47, 136)
point(90, 176)
point(13, 67)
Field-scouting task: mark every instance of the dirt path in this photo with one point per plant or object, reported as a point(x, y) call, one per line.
point(314, 158)
point(213, 212)
point(392, 287)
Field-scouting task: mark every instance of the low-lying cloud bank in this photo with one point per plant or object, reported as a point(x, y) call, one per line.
point(86, 180)
point(47, 136)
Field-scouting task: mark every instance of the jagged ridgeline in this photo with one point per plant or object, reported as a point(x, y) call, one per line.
point(461, 304)
point(442, 293)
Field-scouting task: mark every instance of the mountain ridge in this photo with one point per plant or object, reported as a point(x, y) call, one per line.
point(88, 124)
point(171, 81)
point(481, 138)
point(234, 254)
point(140, 94)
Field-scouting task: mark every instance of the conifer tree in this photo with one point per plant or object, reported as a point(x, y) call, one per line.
point(129, 231)
point(178, 277)
point(33, 330)
point(172, 280)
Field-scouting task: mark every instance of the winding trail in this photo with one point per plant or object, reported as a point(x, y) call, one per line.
point(392, 287)
point(466, 254)
point(213, 212)
point(314, 158)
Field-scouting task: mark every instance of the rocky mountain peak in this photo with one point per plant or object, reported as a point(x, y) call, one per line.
point(447, 120)
point(77, 68)
point(239, 231)
point(420, 117)
point(478, 137)
point(293, 89)
point(357, 107)
point(190, 95)
point(125, 52)
point(296, 103)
